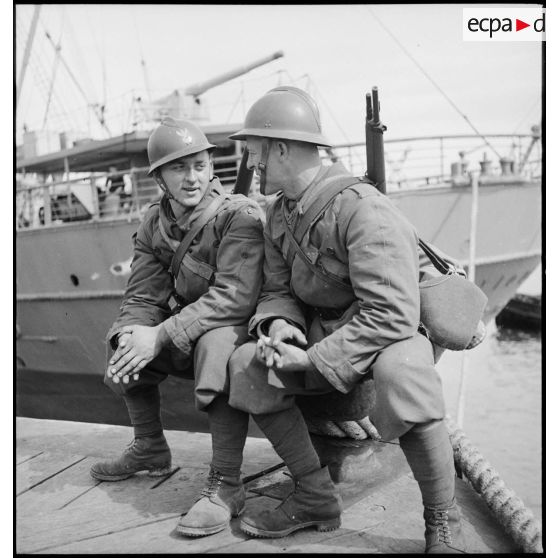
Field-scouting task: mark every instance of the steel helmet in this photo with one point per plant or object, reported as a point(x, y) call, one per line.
point(285, 112)
point(173, 139)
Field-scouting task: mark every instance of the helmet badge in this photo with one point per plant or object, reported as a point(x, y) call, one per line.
point(185, 136)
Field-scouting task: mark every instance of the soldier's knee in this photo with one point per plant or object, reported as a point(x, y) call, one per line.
point(250, 390)
point(243, 358)
point(225, 339)
point(403, 360)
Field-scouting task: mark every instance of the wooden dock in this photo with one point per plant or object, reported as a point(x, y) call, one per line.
point(60, 509)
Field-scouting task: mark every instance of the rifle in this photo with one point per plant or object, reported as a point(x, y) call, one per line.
point(375, 163)
point(244, 176)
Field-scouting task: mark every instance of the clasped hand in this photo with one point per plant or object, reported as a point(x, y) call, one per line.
point(137, 346)
point(275, 352)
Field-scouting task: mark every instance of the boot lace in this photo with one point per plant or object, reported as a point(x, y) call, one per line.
point(443, 530)
point(213, 483)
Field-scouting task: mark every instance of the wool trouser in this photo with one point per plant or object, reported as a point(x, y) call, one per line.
point(229, 428)
point(207, 366)
point(408, 388)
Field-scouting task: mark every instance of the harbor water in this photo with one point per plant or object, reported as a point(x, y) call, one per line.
point(502, 405)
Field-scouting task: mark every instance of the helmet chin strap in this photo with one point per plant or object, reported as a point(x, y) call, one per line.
point(262, 165)
point(163, 186)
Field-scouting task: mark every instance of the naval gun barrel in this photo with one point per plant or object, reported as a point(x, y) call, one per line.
point(201, 87)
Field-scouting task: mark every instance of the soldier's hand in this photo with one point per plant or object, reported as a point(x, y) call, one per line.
point(281, 330)
point(122, 348)
point(291, 358)
point(265, 352)
point(137, 350)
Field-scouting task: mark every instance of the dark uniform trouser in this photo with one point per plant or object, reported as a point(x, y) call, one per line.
point(408, 388)
point(208, 366)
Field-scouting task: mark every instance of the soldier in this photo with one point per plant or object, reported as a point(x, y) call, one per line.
point(340, 303)
point(187, 324)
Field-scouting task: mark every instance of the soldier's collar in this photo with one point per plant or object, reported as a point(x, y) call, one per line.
point(307, 196)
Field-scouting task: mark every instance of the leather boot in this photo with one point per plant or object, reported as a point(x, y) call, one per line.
point(314, 502)
point(443, 532)
point(222, 498)
point(149, 453)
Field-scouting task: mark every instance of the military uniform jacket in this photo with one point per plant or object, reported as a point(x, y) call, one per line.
point(364, 241)
point(220, 274)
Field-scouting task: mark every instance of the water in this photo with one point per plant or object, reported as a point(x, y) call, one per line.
point(503, 406)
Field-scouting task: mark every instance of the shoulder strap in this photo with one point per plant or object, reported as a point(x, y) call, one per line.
point(333, 186)
point(312, 264)
point(209, 212)
point(437, 261)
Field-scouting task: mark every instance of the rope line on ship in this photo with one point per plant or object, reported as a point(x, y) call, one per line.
point(425, 73)
point(503, 503)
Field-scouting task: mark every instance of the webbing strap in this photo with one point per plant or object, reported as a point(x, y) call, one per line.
point(437, 261)
point(312, 265)
point(208, 213)
point(331, 187)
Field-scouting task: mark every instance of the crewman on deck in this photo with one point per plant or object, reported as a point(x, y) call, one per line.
point(342, 307)
point(186, 316)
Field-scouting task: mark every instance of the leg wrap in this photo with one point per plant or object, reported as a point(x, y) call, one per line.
point(228, 428)
point(428, 450)
point(144, 408)
point(288, 433)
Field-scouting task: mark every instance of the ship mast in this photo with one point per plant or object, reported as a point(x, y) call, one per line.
point(98, 111)
point(27, 52)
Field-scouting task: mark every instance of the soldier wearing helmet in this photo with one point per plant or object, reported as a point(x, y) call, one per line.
point(339, 305)
point(194, 282)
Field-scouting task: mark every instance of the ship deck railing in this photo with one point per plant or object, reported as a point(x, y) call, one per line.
point(410, 163)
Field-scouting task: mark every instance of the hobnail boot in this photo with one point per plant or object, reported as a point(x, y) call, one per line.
point(222, 497)
point(314, 502)
point(151, 454)
point(443, 532)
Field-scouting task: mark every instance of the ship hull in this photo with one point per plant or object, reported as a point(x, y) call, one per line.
point(71, 279)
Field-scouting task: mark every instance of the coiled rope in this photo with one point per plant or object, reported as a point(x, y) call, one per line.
point(504, 504)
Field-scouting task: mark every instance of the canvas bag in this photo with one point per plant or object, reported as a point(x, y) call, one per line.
point(451, 306)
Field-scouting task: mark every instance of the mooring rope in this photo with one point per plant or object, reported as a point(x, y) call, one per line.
point(504, 504)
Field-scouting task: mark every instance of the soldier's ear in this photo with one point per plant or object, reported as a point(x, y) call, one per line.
point(282, 149)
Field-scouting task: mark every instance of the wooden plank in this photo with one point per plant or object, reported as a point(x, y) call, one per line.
point(64, 510)
point(58, 491)
point(34, 472)
point(109, 507)
point(104, 441)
